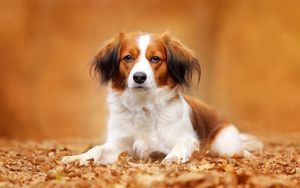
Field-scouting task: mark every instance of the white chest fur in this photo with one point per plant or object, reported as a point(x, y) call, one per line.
point(149, 121)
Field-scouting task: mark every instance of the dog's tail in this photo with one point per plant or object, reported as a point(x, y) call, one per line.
point(251, 143)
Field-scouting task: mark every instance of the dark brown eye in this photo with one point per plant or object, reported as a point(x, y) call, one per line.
point(128, 58)
point(155, 59)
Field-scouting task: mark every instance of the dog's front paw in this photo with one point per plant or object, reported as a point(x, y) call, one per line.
point(73, 158)
point(84, 159)
point(140, 148)
point(177, 158)
point(182, 152)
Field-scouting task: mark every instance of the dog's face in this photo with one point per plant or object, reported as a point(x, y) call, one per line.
point(145, 61)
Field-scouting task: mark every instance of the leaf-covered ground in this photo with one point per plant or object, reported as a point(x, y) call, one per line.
point(37, 164)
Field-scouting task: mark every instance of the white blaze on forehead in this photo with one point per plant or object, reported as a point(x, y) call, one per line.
point(143, 42)
point(142, 64)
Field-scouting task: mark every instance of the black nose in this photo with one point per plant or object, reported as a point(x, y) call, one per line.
point(139, 77)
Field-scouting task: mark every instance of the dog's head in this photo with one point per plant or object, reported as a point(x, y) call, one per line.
point(143, 61)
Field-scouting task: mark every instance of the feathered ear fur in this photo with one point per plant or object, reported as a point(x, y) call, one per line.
point(106, 63)
point(181, 63)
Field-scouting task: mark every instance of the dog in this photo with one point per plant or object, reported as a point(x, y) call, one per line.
point(149, 113)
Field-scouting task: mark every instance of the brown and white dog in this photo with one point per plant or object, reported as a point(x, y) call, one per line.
point(148, 111)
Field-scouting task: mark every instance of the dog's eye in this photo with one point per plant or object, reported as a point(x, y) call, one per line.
point(155, 59)
point(128, 58)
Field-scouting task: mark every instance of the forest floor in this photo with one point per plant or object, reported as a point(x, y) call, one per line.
point(37, 164)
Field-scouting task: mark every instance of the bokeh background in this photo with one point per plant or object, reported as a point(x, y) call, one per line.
point(249, 51)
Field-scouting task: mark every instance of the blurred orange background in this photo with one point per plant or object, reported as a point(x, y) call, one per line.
point(249, 51)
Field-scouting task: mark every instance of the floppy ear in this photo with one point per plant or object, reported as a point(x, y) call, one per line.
point(181, 63)
point(106, 63)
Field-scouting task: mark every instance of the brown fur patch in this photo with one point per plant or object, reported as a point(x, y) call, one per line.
point(206, 121)
point(160, 69)
point(128, 46)
point(181, 62)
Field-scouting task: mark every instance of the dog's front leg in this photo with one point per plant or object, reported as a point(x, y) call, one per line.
point(103, 154)
point(182, 151)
